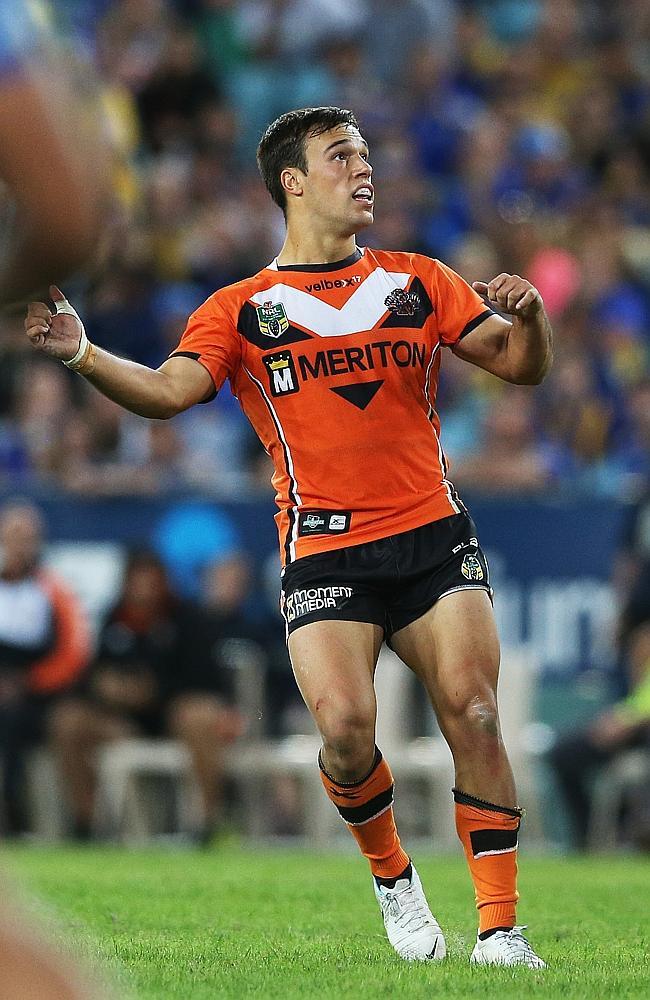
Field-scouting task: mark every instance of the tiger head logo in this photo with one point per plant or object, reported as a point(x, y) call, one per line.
point(402, 303)
point(471, 568)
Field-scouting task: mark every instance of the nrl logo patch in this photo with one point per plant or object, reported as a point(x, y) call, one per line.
point(402, 303)
point(272, 319)
point(471, 568)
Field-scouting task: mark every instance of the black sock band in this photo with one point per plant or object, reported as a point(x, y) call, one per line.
point(390, 883)
point(351, 784)
point(487, 934)
point(463, 799)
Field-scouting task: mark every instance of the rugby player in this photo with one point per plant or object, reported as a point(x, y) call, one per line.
point(333, 352)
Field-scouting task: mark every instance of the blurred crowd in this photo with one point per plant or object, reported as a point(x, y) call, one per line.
point(185, 648)
point(504, 136)
point(188, 646)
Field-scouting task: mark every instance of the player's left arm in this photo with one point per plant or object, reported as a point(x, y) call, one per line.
point(519, 351)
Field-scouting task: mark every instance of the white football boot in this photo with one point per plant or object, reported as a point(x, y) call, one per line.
point(412, 929)
point(506, 948)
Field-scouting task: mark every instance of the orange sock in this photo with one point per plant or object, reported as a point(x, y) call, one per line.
point(488, 834)
point(367, 808)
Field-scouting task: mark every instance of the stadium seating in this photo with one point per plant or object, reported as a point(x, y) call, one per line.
point(422, 767)
point(625, 779)
point(130, 799)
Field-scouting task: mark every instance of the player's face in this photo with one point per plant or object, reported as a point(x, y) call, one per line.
point(337, 186)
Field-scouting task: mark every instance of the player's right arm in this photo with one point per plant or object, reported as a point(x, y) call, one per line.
point(160, 393)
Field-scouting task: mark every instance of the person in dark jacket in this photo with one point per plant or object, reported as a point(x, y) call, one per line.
point(154, 675)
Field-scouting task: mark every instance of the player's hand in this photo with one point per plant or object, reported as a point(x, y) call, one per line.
point(56, 334)
point(512, 294)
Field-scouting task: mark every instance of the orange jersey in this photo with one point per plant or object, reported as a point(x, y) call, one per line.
point(336, 367)
point(72, 648)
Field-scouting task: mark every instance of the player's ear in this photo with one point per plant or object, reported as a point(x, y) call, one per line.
point(291, 180)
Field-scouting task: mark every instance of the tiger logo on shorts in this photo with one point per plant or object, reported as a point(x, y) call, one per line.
point(471, 568)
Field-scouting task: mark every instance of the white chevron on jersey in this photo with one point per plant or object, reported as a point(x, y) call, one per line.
point(362, 311)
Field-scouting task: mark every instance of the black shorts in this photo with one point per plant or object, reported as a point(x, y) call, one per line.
point(390, 582)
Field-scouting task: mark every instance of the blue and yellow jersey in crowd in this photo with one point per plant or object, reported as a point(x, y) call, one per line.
point(636, 707)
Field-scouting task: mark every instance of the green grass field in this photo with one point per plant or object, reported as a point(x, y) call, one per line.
point(233, 923)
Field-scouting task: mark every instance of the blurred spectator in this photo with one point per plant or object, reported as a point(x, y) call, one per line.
point(286, 712)
point(44, 648)
point(222, 37)
point(121, 314)
point(157, 673)
point(288, 27)
point(104, 452)
point(630, 461)
point(215, 441)
point(282, 38)
point(226, 586)
point(508, 455)
point(632, 569)
point(577, 758)
point(578, 420)
point(249, 636)
point(172, 100)
point(42, 403)
point(132, 38)
point(556, 273)
point(391, 32)
point(237, 635)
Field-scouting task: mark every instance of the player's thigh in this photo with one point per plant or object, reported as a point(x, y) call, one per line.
point(334, 664)
point(454, 649)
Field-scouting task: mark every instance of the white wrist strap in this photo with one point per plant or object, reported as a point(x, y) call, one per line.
point(65, 307)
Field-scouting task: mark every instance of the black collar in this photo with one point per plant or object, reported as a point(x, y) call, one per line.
point(336, 265)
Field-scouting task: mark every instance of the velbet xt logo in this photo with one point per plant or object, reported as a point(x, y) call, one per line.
point(272, 319)
point(282, 373)
point(471, 568)
point(402, 303)
point(325, 285)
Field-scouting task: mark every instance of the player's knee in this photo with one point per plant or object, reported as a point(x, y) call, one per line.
point(482, 714)
point(473, 714)
point(349, 732)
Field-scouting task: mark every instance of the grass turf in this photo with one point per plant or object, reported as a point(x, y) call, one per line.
point(285, 924)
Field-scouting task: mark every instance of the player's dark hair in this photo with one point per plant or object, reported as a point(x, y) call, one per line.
point(283, 143)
